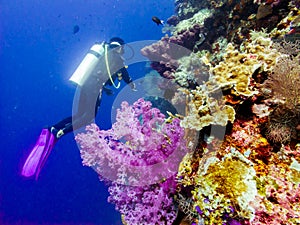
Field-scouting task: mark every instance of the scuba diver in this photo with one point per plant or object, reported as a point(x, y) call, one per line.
point(102, 67)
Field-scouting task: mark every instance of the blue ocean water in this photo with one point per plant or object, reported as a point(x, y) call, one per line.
point(39, 50)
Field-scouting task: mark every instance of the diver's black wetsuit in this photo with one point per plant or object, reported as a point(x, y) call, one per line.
point(90, 93)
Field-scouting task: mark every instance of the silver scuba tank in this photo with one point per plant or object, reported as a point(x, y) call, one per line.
point(88, 64)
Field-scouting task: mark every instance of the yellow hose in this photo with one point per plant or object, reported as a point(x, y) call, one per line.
point(108, 70)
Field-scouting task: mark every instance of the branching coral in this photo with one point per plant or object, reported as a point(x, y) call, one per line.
point(140, 143)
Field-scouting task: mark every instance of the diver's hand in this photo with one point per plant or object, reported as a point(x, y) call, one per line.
point(108, 91)
point(132, 86)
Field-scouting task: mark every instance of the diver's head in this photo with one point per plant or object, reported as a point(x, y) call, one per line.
point(117, 44)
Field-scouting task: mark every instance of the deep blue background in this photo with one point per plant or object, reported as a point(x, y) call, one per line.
point(38, 53)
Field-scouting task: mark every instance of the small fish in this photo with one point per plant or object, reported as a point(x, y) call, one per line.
point(157, 20)
point(75, 29)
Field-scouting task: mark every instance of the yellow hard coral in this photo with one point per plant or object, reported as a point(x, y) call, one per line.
point(228, 176)
point(204, 110)
point(238, 66)
point(185, 171)
point(225, 184)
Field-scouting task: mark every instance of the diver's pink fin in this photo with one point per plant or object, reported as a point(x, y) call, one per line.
point(39, 154)
point(51, 142)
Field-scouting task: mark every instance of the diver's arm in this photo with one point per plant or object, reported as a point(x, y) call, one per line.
point(125, 75)
point(107, 90)
point(127, 78)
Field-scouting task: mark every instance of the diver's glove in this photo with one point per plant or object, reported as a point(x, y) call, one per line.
point(108, 91)
point(132, 86)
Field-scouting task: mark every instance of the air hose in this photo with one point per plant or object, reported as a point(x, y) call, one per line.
point(108, 70)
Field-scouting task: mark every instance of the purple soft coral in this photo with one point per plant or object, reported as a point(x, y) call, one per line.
point(151, 204)
point(139, 156)
point(140, 144)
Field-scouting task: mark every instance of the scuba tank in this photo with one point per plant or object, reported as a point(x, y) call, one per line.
point(88, 64)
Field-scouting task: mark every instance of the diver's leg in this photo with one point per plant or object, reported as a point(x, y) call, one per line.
point(84, 115)
point(62, 127)
point(87, 106)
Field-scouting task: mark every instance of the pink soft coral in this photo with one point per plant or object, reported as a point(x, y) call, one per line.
point(138, 157)
point(140, 144)
point(151, 204)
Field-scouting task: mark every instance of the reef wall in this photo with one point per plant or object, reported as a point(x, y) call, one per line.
point(243, 73)
point(239, 75)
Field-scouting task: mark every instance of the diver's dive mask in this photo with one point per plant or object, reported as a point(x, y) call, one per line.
point(117, 47)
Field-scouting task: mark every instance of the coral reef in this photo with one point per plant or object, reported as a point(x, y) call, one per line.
point(250, 87)
point(237, 65)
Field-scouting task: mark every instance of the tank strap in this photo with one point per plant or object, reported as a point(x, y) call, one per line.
point(108, 69)
point(94, 53)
